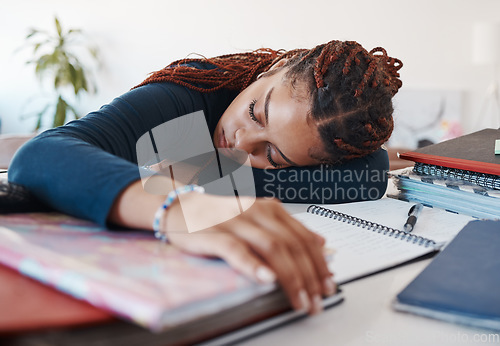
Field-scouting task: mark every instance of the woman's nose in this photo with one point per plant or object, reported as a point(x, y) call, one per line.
point(249, 141)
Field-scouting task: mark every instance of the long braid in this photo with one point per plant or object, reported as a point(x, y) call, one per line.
point(231, 71)
point(350, 58)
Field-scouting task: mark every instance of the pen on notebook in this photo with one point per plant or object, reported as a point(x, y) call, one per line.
point(412, 217)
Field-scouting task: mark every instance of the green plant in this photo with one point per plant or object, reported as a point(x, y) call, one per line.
point(55, 59)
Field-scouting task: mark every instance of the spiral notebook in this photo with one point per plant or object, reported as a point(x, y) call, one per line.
point(470, 158)
point(454, 195)
point(367, 236)
point(489, 181)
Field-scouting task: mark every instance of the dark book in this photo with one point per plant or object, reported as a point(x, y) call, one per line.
point(461, 284)
point(474, 152)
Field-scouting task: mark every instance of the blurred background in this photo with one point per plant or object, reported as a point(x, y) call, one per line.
point(447, 89)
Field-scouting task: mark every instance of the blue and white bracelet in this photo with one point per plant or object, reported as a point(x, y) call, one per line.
point(172, 195)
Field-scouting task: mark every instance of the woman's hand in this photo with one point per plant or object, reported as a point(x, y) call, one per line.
point(264, 243)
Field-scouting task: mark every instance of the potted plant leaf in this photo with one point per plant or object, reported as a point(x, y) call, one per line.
point(56, 60)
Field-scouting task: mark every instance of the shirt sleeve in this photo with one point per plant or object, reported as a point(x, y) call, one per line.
point(81, 168)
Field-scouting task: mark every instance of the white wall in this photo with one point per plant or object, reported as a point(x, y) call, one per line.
point(433, 38)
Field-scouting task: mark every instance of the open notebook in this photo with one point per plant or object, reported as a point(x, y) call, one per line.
point(367, 236)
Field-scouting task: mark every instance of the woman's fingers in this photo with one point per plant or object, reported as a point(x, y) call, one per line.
point(288, 258)
point(257, 253)
point(229, 248)
point(305, 249)
point(276, 253)
point(314, 249)
point(264, 243)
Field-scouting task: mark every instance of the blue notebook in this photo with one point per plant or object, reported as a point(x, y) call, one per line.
point(462, 283)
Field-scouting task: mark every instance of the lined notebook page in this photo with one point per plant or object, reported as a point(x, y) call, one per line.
point(360, 251)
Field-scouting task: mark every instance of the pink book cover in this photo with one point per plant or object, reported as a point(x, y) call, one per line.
point(129, 273)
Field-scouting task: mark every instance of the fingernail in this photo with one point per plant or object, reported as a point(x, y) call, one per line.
point(317, 304)
point(265, 275)
point(304, 300)
point(329, 286)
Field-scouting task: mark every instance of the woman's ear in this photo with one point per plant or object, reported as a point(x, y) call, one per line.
point(274, 67)
point(279, 64)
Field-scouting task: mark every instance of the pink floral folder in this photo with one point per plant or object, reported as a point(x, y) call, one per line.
point(129, 273)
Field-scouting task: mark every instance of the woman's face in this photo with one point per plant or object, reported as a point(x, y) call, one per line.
point(269, 124)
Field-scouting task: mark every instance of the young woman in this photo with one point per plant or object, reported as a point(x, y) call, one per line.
point(328, 108)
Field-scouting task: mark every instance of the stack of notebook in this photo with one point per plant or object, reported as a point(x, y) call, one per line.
point(461, 175)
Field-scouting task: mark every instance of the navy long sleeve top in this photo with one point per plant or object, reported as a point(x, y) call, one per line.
point(80, 168)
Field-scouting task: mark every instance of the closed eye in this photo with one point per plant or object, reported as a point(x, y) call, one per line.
point(251, 108)
point(270, 159)
point(251, 113)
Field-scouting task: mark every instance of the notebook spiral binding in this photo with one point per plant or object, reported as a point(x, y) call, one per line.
point(372, 226)
point(481, 179)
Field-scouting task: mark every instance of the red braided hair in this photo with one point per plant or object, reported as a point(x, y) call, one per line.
point(352, 92)
point(231, 71)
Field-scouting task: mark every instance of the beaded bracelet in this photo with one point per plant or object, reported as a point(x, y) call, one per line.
point(172, 195)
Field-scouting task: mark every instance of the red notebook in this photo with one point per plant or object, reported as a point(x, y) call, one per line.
point(473, 152)
point(28, 305)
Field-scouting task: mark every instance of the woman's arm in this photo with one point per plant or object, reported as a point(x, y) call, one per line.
point(82, 167)
point(88, 168)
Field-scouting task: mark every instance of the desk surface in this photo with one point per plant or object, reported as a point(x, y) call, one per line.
point(366, 318)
